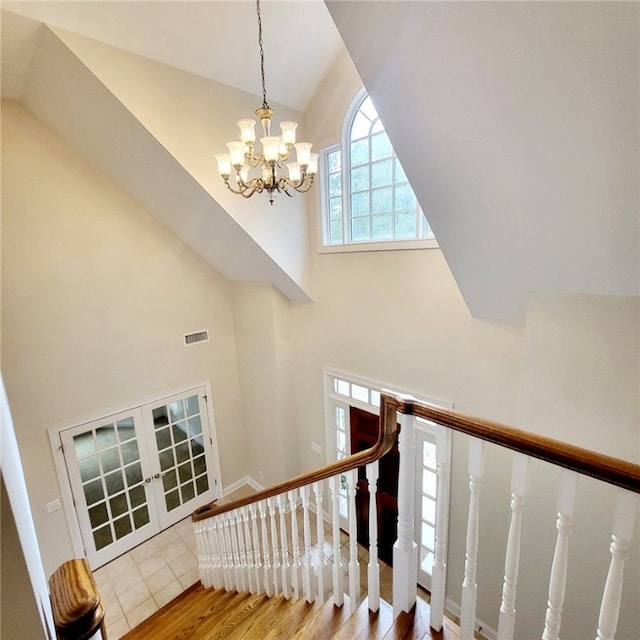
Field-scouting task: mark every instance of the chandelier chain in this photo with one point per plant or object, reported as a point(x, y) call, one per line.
point(264, 86)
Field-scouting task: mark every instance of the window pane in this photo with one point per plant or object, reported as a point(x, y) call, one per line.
point(428, 535)
point(368, 109)
point(335, 184)
point(360, 204)
point(341, 418)
point(428, 509)
point(381, 146)
point(335, 232)
point(359, 393)
point(341, 387)
point(360, 152)
point(382, 226)
point(429, 482)
point(360, 229)
point(401, 176)
point(360, 178)
point(360, 126)
point(335, 208)
point(381, 200)
point(382, 173)
point(341, 442)
point(405, 198)
point(333, 162)
point(405, 225)
point(429, 454)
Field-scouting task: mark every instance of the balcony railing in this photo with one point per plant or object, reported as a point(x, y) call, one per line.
point(266, 542)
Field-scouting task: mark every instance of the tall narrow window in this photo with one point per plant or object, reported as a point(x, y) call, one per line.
point(367, 197)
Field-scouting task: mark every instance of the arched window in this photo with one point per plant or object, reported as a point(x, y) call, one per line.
point(367, 197)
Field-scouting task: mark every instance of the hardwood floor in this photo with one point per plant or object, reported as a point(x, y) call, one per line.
point(204, 614)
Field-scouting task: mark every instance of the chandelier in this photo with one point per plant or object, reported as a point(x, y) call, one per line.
point(243, 159)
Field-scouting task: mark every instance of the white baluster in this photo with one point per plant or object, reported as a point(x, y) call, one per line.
point(295, 545)
point(317, 492)
point(248, 551)
point(284, 559)
point(306, 562)
point(373, 568)
point(439, 571)
point(266, 552)
point(507, 619)
point(405, 550)
point(469, 586)
point(621, 535)
point(237, 564)
point(338, 596)
point(354, 563)
point(257, 555)
point(558, 579)
point(227, 562)
point(202, 553)
point(216, 580)
point(274, 546)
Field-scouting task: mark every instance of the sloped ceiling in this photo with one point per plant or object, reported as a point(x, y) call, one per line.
point(85, 90)
point(518, 126)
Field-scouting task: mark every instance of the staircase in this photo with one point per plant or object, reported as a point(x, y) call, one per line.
point(200, 614)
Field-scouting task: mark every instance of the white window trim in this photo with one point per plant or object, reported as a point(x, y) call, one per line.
point(355, 246)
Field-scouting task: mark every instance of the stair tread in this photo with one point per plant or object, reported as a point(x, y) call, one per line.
point(325, 622)
point(284, 627)
point(366, 625)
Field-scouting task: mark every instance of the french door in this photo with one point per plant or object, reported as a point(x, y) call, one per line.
point(135, 473)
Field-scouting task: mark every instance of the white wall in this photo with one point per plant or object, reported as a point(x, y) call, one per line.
point(570, 372)
point(97, 296)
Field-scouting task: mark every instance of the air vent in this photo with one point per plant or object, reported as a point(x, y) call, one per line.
point(195, 338)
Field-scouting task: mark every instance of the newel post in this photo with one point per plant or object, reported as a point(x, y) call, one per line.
point(405, 550)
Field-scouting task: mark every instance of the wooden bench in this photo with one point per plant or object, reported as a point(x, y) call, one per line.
point(77, 610)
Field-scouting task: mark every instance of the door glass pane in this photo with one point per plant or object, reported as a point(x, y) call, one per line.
point(195, 427)
point(202, 485)
point(89, 468)
point(428, 482)
point(84, 444)
point(93, 491)
point(106, 436)
point(129, 452)
point(193, 406)
point(176, 411)
point(110, 460)
point(126, 429)
point(428, 509)
point(163, 438)
point(102, 537)
point(141, 517)
point(160, 417)
point(118, 505)
point(122, 527)
point(181, 449)
point(98, 515)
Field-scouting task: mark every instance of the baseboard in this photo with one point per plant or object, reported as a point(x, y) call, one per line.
point(243, 482)
point(453, 612)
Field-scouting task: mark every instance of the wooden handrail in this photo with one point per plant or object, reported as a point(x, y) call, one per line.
point(605, 468)
point(386, 440)
point(616, 471)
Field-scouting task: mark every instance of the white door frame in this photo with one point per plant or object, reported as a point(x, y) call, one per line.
point(66, 495)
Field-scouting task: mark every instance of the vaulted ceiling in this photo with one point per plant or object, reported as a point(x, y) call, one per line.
point(517, 124)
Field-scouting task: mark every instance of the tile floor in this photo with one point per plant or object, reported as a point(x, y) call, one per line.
point(143, 580)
